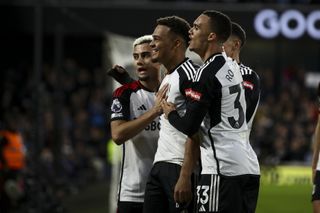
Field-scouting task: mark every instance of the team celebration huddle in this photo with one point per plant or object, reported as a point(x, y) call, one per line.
point(185, 134)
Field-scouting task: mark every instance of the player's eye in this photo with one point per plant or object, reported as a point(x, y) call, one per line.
point(145, 55)
point(135, 56)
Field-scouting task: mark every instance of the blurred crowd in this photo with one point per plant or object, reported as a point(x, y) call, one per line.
point(286, 118)
point(74, 107)
point(72, 126)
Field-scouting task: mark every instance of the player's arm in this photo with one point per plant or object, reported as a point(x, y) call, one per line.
point(251, 83)
point(198, 100)
point(122, 130)
point(190, 122)
point(183, 189)
point(120, 74)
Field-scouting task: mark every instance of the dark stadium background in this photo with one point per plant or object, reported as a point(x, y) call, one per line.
point(53, 79)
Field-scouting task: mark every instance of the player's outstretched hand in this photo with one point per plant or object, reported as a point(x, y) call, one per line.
point(119, 74)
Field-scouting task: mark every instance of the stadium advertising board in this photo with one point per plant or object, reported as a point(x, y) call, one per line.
point(291, 24)
point(286, 175)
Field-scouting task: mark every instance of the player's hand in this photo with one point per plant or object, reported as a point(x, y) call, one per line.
point(183, 190)
point(120, 74)
point(167, 107)
point(160, 96)
point(116, 69)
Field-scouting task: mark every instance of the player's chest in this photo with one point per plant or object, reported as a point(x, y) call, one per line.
point(141, 102)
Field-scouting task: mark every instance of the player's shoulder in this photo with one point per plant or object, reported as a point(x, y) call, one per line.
point(214, 64)
point(211, 67)
point(127, 89)
point(246, 70)
point(187, 68)
point(251, 79)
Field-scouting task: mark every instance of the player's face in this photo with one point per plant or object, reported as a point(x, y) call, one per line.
point(145, 68)
point(162, 44)
point(199, 35)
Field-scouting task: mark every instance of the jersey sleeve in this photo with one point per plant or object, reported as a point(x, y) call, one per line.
point(190, 123)
point(198, 97)
point(120, 107)
point(186, 74)
point(251, 84)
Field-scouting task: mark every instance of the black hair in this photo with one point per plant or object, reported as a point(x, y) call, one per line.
point(220, 24)
point(239, 32)
point(177, 25)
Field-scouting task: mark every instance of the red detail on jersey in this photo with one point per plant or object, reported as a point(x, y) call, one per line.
point(248, 84)
point(133, 86)
point(193, 94)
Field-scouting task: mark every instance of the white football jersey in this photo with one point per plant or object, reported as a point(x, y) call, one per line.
point(129, 102)
point(225, 148)
point(171, 143)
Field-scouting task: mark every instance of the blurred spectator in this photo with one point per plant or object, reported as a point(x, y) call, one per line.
point(12, 162)
point(82, 126)
point(286, 118)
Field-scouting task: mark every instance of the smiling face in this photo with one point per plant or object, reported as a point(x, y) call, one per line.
point(145, 68)
point(199, 34)
point(162, 44)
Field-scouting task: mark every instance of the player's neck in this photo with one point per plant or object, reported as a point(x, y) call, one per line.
point(172, 64)
point(236, 57)
point(151, 84)
point(213, 49)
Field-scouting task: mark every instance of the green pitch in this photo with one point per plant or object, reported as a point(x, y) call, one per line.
point(284, 199)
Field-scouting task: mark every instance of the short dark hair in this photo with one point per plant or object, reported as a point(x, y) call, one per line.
point(220, 24)
point(239, 32)
point(177, 25)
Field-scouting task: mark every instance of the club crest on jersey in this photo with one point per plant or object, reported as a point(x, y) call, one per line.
point(116, 106)
point(193, 94)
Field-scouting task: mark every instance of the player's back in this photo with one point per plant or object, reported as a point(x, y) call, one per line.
point(225, 148)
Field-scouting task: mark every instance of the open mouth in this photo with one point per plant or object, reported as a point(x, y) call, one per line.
point(141, 69)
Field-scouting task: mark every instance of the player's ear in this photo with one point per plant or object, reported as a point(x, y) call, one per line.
point(212, 36)
point(177, 43)
point(237, 43)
